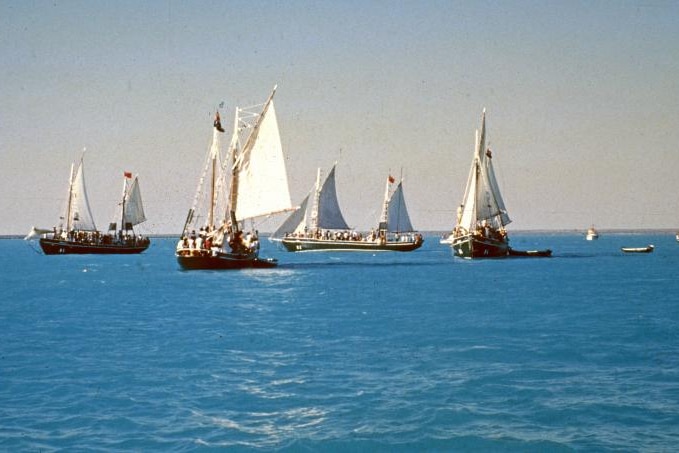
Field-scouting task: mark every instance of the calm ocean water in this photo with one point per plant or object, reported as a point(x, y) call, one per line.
point(344, 352)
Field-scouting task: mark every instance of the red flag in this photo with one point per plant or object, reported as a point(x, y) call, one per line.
point(128, 175)
point(218, 123)
point(391, 179)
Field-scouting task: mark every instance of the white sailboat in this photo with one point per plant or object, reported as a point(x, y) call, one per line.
point(321, 225)
point(77, 232)
point(248, 183)
point(482, 216)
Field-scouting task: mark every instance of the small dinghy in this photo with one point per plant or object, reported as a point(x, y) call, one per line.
point(530, 253)
point(647, 249)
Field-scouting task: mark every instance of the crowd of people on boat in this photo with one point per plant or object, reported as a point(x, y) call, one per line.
point(209, 241)
point(374, 235)
point(90, 237)
point(483, 230)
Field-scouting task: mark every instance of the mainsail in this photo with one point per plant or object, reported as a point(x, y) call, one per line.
point(131, 210)
point(482, 200)
point(398, 220)
point(262, 184)
point(78, 215)
point(329, 214)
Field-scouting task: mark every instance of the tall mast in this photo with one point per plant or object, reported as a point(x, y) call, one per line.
point(385, 209)
point(122, 219)
point(70, 198)
point(211, 214)
point(317, 197)
point(477, 169)
point(214, 152)
point(233, 198)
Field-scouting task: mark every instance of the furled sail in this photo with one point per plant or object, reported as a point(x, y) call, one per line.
point(296, 222)
point(78, 212)
point(134, 210)
point(329, 213)
point(398, 218)
point(262, 178)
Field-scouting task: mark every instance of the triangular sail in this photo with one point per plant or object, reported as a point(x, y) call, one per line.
point(262, 179)
point(78, 212)
point(296, 222)
point(134, 210)
point(398, 219)
point(498, 203)
point(329, 213)
point(467, 215)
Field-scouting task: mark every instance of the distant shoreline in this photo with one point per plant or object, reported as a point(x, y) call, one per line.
point(446, 232)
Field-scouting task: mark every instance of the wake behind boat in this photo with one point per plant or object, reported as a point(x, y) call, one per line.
point(79, 234)
point(480, 228)
point(321, 226)
point(214, 235)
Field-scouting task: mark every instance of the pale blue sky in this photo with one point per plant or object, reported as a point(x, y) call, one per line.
point(582, 103)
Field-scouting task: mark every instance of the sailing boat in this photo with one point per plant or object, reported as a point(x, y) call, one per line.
point(482, 217)
point(322, 227)
point(77, 234)
point(249, 182)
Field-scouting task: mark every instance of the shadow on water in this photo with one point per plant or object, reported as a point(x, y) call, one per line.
point(314, 265)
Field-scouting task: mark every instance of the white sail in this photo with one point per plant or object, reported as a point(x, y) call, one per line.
point(398, 218)
point(262, 178)
point(78, 213)
point(134, 210)
point(329, 213)
point(498, 206)
point(466, 214)
point(296, 222)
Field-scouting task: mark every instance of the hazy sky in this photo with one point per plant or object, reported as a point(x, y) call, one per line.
point(582, 103)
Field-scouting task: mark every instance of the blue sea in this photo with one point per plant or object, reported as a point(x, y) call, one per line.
point(338, 352)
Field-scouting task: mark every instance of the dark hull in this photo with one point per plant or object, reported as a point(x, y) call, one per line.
point(224, 261)
point(469, 246)
point(648, 249)
point(530, 253)
point(62, 247)
point(319, 245)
